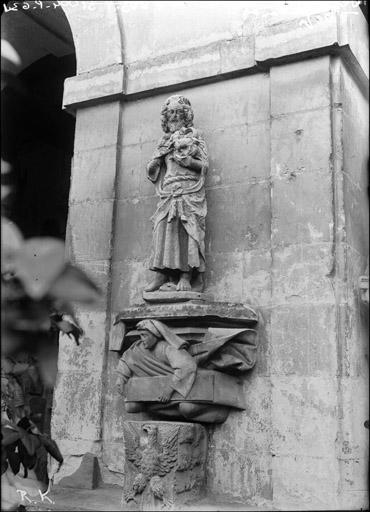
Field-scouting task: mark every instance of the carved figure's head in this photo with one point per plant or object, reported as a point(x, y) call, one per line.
point(176, 113)
point(151, 431)
point(149, 335)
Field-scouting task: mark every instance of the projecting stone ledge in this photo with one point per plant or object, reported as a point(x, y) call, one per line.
point(200, 313)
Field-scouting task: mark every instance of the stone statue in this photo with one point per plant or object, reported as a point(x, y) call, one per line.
point(161, 353)
point(178, 169)
point(164, 464)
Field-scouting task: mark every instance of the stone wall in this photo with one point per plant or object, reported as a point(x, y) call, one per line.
point(284, 117)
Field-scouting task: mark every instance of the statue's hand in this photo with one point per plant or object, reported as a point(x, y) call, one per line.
point(120, 385)
point(166, 395)
point(185, 161)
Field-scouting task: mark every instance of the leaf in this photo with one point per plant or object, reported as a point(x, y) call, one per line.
point(14, 460)
point(70, 329)
point(9, 436)
point(74, 285)
point(38, 264)
point(52, 447)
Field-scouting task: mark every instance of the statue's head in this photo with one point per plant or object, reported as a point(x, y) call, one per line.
point(176, 113)
point(149, 335)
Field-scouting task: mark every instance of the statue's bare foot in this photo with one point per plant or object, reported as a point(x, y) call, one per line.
point(184, 283)
point(157, 282)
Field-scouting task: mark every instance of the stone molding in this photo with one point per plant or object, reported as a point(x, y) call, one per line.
point(309, 36)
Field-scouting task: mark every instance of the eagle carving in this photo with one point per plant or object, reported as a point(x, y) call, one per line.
point(152, 459)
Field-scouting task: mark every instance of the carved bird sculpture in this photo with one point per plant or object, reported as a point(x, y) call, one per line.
point(151, 459)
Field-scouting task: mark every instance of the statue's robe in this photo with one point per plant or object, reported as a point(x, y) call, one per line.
point(179, 220)
point(163, 359)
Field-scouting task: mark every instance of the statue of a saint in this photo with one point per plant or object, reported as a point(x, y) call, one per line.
point(178, 169)
point(161, 352)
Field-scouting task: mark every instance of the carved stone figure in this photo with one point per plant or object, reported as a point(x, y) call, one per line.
point(164, 461)
point(166, 372)
point(178, 170)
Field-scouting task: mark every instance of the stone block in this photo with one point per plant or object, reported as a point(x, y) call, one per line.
point(303, 340)
point(302, 273)
point(93, 174)
point(354, 31)
point(149, 128)
point(304, 417)
point(296, 36)
point(94, 85)
point(353, 439)
point(237, 229)
point(257, 283)
point(354, 500)
point(246, 159)
point(129, 279)
point(90, 228)
point(114, 457)
point(88, 31)
point(235, 474)
point(99, 273)
point(133, 181)
point(87, 476)
point(245, 100)
point(300, 86)
point(237, 53)
point(133, 230)
point(248, 431)
point(89, 355)
point(223, 277)
point(302, 209)
point(305, 483)
point(77, 406)
point(356, 211)
point(97, 126)
point(300, 144)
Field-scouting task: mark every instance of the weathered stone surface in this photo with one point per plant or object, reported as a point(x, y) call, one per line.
point(257, 281)
point(305, 483)
point(97, 126)
point(214, 313)
point(164, 464)
point(128, 280)
point(295, 36)
point(298, 86)
point(102, 83)
point(163, 296)
point(304, 416)
point(133, 230)
point(93, 174)
point(237, 475)
point(89, 355)
point(294, 191)
point(77, 406)
point(224, 281)
point(89, 230)
point(87, 476)
point(242, 163)
point(88, 29)
point(303, 340)
point(302, 273)
point(244, 227)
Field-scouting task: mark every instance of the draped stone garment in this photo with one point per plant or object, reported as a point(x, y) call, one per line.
point(179, 220)
point(163, 359)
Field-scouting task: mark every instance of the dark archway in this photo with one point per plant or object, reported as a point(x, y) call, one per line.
point(37, 142)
